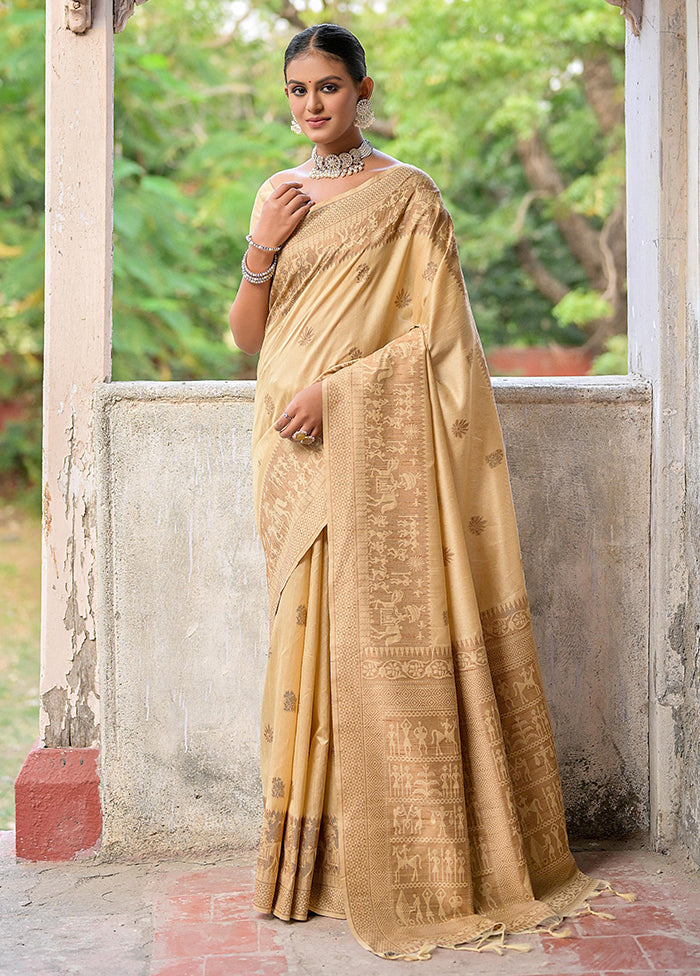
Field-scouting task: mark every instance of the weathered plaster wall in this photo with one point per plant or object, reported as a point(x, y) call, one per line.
point(579, 460)
point(183, 617)
point(689, 723)
point(183, 613)
point(663, 207)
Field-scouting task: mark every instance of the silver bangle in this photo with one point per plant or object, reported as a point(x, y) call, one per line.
point(262, 247)
point(258, 278)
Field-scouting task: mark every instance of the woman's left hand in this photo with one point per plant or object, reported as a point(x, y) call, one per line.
point(303, 412)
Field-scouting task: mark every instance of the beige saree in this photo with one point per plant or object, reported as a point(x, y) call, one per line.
point(409, 773)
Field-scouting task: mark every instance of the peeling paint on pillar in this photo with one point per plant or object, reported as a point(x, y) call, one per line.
point(71, 717)
point(79, 151)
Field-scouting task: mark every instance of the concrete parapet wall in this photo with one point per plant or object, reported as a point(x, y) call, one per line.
point(182, 607)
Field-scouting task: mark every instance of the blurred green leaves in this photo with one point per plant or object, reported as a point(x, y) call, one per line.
point(201, 120)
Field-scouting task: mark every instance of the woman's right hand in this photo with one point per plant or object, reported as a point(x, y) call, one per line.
point(283, 210)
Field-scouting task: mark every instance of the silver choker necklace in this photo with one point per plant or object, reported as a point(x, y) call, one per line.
point(344, 164)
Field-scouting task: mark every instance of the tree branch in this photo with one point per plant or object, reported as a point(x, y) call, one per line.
point(546, 283)
point(610, 293)
point(287, 11)
point(603, 93)
point(543, 176)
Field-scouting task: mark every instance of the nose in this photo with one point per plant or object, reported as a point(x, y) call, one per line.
point(314, 102)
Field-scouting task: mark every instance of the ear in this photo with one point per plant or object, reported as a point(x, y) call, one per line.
point(286, 90)
point(366, 88)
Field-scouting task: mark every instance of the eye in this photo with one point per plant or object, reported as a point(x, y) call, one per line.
point(330, 87)
point(298, 90)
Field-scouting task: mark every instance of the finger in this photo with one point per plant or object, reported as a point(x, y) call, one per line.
point(289, 193)
point(282, 421)
point(290, 425)
point(283, 188)
point(291, 429)
point(298, 427)
point(303, 200)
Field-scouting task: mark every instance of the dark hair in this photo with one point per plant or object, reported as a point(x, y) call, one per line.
point(337, 42)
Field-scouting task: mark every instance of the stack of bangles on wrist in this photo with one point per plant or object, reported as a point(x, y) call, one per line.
point(261, 277)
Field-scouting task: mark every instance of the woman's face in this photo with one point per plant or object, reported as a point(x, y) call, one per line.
point(323, 97)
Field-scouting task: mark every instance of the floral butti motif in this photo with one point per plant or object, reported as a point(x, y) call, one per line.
point(305, 335)
point(477, 524)
point(290, 701)
point(460, 427)
point(403, 299)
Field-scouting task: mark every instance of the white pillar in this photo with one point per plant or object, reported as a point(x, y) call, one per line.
point(79, 147)
point(657, 246)
point(689, 739)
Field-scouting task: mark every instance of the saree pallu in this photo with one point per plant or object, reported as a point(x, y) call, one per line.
point(409, 773)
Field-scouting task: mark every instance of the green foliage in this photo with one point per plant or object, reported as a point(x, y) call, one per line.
point(20, 617)
point(21, 235)
point(464, 83)
point(201, 120)
point(580, 306)
point(613, 361)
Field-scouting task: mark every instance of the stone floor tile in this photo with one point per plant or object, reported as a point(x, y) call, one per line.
point(174, 918)
point(216, 880)
point(187, 940)
point(636, 918)
point(603, 953)
point(268, 940)
point(237, 965)
point(238, 904)
point(186, 967)
point(192, 907)
point(671, 951)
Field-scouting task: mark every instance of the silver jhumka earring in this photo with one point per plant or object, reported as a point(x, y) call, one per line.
point(295, 127)
point(364, 116)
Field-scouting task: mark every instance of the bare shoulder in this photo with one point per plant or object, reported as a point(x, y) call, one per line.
point(295, 175)
point(382, 161)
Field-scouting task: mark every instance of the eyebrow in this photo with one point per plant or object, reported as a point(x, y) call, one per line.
point(291, 81)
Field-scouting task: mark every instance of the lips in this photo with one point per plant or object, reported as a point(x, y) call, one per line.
point(317, 121)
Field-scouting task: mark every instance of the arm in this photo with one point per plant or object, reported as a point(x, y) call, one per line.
point(284, 209)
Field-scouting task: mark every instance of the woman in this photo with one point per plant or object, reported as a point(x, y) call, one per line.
point(409, 775)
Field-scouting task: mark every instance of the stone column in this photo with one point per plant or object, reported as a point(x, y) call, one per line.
point(79, 150)
point(688, 732)
point(660, 333)
point(57, 803)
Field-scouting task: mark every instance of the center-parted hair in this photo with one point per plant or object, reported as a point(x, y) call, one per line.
point(330, 39)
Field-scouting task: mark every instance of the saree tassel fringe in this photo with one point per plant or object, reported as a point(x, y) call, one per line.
point(606, 886)
point(420, 955)
point(587, 910)
point(493, 941)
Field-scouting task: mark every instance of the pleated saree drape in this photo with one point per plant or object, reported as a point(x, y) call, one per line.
point(409, 773)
